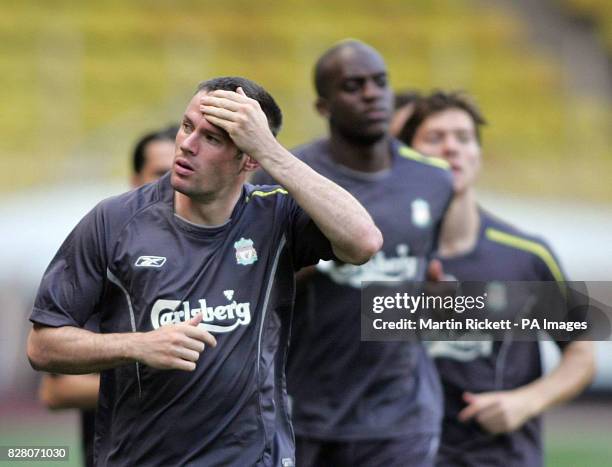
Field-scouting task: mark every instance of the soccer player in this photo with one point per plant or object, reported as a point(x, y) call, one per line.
point(193, 279)
point(494, 391)
point(365, 403)
point(152, 158)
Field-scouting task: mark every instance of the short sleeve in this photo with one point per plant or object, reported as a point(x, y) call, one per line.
point(547, 265)
point(73, 283)
point(571, 300)
point(308, 244)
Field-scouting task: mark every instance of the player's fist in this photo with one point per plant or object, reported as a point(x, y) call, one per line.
point(498, 411)
point(173, 347)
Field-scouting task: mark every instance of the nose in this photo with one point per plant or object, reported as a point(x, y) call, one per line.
point(451, 146)
point(189, 144)
point(371, 90)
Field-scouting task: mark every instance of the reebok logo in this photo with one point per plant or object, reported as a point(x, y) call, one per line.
point(150, 261)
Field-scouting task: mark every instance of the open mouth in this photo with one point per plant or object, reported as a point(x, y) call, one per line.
point(182, 167)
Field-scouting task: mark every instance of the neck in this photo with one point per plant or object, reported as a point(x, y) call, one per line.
point(207, 211)
point(361, 157)
point(461, 225)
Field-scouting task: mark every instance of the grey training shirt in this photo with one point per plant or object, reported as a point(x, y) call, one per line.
point(132, 260)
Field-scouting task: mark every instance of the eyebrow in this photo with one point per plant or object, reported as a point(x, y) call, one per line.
point(214, 130)
point(436, 131)
point(188, 120)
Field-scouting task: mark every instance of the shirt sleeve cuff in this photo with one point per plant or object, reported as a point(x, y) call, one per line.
point(51, 318)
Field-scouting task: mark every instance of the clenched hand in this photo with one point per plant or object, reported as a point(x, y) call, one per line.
point(498, 411)
point(173, 347)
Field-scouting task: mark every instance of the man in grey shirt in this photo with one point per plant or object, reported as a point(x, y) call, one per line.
point(365, 403)
point(197, 260)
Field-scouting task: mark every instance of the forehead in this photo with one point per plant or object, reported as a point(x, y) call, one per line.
point(196, 117)
point(449, 120)
point(194, 104)
point(356, 61)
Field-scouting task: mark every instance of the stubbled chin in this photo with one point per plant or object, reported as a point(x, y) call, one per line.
point(177, 182)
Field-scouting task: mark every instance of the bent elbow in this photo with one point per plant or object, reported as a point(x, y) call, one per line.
point(368, 245)
point(376, 241)
point(36, 356)
point(36, 361)
point(372, 243)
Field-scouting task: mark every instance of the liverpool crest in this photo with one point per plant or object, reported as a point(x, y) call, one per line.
point(245, 252)
point(421, 216)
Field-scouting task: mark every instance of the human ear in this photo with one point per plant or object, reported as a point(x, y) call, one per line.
point(250, 164)
point(322, 107)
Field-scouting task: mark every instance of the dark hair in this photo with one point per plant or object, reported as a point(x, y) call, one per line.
point(403, 98)
point(251, 89)
point(138, 157)
point(436, 102)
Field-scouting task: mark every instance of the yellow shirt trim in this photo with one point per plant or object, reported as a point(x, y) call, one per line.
point(532, 247)
point(282, 191)
point(409, 153)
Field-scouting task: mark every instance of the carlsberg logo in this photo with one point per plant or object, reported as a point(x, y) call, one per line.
point(221, 318)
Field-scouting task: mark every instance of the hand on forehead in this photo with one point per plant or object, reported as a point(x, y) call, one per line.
point(220, 106)
point(239, 115)
point(228, 100)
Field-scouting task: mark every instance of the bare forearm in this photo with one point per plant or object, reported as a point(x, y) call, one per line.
point(575, 371)
point(336, 212)
point(346, 224)
point(70, 391)
point(72, 350)
point(75, 351)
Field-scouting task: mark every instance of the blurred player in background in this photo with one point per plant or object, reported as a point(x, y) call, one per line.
point(403, 106)
point(494, 391)
point(195, 253)
point(152, 157)
point(74, 392)
point(365, 403)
